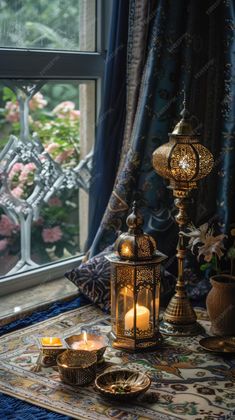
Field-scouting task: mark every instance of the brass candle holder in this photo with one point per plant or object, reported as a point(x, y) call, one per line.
point(184, 161)
point(77, 367)
point(96, 344)
point(50, 348)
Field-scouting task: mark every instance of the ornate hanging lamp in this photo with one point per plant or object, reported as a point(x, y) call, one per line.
point(183, 161)
point(135, 288)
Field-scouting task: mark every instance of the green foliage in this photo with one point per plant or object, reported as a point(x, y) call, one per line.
point(40, 24)
point(56, 233)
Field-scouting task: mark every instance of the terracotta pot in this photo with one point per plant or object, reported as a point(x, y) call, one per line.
point(220, 304)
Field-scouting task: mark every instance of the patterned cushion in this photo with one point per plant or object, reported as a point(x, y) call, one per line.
point(93, 280)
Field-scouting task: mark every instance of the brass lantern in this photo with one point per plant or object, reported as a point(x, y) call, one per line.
point(135, 288)
point(184, 161)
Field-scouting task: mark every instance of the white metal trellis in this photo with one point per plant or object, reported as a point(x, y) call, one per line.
point(49, 178)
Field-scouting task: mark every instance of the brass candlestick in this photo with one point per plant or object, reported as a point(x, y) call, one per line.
point(183, 160)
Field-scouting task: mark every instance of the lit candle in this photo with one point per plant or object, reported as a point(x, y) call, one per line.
point(126, 251)
point(86, 344)
point(51, 342)
point(142, 318)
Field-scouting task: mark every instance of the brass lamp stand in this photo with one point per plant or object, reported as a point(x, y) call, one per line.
point(183, 160)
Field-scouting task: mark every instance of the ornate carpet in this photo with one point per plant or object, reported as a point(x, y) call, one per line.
point(187, 383)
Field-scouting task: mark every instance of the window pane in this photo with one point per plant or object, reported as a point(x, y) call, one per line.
point(45, 143)
point(57, 24)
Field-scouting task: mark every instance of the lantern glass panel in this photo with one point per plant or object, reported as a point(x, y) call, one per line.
point(125, 303)
point(157, 305)
point(113, 300)
point(144, 313)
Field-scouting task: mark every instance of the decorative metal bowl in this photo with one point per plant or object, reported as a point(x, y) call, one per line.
point(218, 344)
point(122, 384)
point(77, 367)
point(99, 339)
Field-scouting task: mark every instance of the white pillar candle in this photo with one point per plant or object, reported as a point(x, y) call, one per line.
point(142, 318)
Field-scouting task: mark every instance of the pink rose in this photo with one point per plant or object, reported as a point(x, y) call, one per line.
point(75, 114)
point(51, 235)
point(3, 244)
point(64, 107)
point(17, 191)
point(13, 114)
point(37, 102)
point(6, 226)
point(51, 147)
point(63, 156)
point(27, 169)
point(16, 168)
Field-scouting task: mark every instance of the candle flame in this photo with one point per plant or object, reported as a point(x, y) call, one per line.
point(85, 337)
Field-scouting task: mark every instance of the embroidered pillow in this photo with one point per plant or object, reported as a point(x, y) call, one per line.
point(93, 279)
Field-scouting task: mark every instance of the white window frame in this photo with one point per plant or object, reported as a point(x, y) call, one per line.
point(33, 64)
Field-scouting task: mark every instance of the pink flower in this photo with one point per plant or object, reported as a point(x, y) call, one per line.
point(51, 147)
point(64, 108)
point(55, 201)
point(6, 226)
point(51, 235)
point(16, 168)
point(63, 156)
point(37, 102)
point(17, 191)
point(75, 114)
point(27, 169)
point(3, 244)
point(13, 114)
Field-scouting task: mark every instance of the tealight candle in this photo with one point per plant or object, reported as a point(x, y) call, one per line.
point(86, 344)
point(51, 342)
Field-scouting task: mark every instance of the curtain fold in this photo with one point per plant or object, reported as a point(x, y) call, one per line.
point(110, 125)
point(180, 45)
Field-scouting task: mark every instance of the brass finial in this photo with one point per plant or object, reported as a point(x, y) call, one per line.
point(135, 220)
point(184, 127)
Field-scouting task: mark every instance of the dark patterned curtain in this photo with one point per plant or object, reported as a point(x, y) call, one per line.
point(171, 46)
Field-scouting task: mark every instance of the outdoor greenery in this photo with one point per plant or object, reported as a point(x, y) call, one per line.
point(55, 234)
point(39, 24)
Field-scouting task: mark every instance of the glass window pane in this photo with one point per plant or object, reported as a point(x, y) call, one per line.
point(45, 153)
point(43, 24)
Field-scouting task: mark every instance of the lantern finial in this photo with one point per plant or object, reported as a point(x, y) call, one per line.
point(135, 220)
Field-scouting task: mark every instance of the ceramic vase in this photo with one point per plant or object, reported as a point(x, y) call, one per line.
point(220, 304)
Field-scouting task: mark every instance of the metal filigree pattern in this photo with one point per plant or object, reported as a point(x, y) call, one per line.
point(206, 161)
point(144, 273)
point(183, 162)
point(124, 274)
point(139, 333)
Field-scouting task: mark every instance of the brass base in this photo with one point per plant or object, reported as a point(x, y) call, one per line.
point(180, 330)
point(139, 347)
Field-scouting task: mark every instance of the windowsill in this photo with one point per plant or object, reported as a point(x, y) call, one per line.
point(20, 304)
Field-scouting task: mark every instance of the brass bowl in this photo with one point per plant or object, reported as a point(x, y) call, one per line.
point(101, 340)
point(122, 384)
point(77, 367)
point(219, 344)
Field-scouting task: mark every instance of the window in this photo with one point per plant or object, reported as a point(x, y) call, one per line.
point(50, 83)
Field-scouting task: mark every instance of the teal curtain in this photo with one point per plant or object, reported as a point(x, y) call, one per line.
point(172, 46)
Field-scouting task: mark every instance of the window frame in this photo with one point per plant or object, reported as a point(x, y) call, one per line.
point(37, 64)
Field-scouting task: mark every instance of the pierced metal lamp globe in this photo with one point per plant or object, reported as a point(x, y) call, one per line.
point(183, 161)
